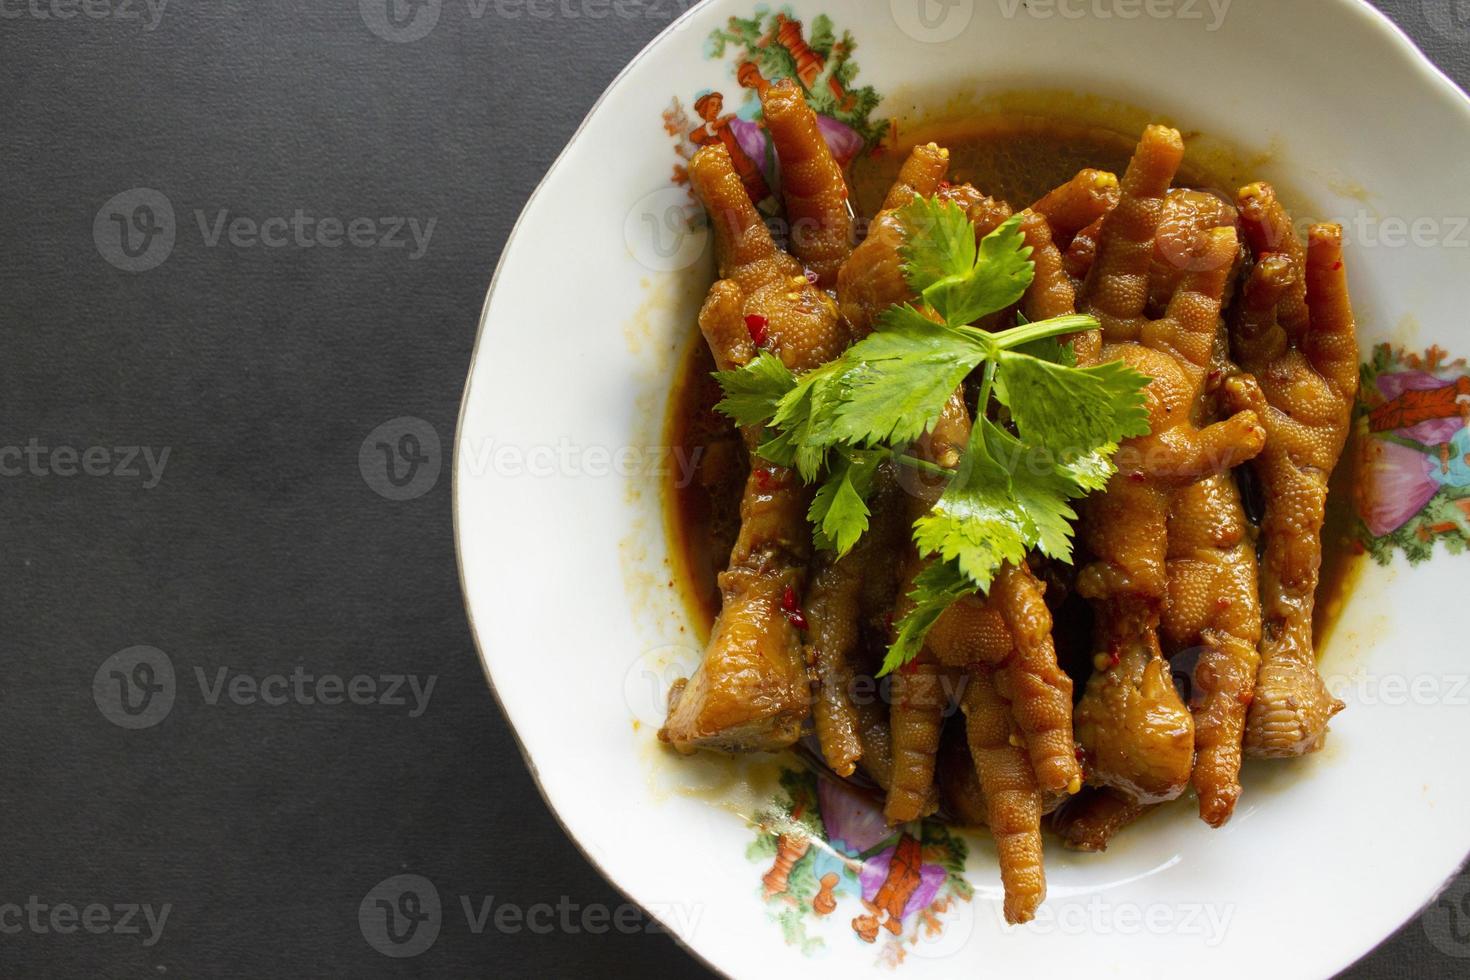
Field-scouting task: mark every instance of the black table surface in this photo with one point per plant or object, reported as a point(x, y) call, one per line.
point(185, 497)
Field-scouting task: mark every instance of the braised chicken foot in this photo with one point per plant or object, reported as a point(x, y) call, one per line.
point(1294, 330)
point(1136, 733)
point(751, 690)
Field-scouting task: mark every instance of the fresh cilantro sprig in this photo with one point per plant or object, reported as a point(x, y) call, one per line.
point(1014, 488)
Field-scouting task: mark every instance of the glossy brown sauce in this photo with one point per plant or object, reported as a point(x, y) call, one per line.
point(702, 514)
point(1017, 159)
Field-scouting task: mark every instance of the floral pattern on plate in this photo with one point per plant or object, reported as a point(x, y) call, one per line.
point(834, 866)
point(769, 46)
point(1412, 483)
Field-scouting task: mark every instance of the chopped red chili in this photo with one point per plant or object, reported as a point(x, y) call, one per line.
point(792, 608)
point(756, 324)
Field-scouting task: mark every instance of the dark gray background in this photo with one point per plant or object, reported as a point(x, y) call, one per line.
point(263, 547)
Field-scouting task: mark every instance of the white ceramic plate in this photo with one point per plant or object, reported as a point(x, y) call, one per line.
point(559, 483)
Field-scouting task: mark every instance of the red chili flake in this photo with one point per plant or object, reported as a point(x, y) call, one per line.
point(1337, 266)
point(756, 324)
point(944, 185)
point(1137, 477)
point(765, 480)
point(811, 277)
point(1246, 697)
point(1223, 602)
point(909, 669)
point(1114, 657)
point(792, 608)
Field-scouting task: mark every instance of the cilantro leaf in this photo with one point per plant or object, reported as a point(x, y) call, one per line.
point(900, 378)
point(753, 391)
point(1068, 409)
point(1091, 471)
point(1041, 491)
point(1050, 349)
point(936, 588)
point(778, 448)
point(976, 524)
point(1007, 498)
point(1002, 271)
point(839, 511)
point(803, 416)
point(939, 242)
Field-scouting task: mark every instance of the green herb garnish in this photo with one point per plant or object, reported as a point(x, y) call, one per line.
point(1015, 484)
